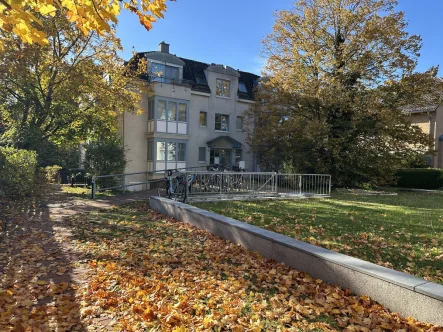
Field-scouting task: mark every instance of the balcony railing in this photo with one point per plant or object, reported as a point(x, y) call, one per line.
point(168, 80)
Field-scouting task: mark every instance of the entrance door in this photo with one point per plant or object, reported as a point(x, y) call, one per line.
point(222, 155)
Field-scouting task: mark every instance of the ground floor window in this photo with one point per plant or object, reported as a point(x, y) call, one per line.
point(202, 154)
point(171, 152)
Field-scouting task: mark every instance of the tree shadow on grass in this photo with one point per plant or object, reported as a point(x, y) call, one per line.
point(37, 286)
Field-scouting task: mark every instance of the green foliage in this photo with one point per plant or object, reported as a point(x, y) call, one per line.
point(105, 157)
point(52, 173)
point(421, 178)
point(17, 172)
point(48, 152)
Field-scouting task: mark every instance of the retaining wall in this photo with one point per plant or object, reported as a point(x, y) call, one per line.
point(398, 291)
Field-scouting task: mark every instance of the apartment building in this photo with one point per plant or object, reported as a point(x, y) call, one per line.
point(194, 115)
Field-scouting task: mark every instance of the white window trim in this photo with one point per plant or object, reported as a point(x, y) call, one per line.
point(230, 84)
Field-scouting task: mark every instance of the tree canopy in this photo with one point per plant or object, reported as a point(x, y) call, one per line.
point(66, 91)
point(338, 75)
point(25, 18)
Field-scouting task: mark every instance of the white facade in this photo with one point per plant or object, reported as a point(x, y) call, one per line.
point(170, 134)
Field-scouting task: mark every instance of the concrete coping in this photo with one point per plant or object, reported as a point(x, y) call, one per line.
point(401, 279)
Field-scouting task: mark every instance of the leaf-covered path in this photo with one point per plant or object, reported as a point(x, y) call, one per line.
point(40, 270)
point(131, 269)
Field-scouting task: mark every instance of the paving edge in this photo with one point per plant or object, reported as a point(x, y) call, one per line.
point(398, 291)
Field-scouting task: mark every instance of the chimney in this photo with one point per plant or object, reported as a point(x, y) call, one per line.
point(163, 47)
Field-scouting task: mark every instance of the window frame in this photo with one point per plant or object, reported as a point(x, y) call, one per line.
point(165, 113)
point(180, 148)
point(165, 68)
point(243, 85)
point(179, 112)
point(157, 151)
point(202, 148)
point(227, 122)
point(206, 119)
point(150, 152)
point(223, 93)
point(241, 123)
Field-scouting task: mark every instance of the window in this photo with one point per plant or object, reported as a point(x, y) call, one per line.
point(222, 122)
point(239, 123)
point(181, 152)
point(161, 150)
point(157, 71)
point(161, 110)
point(172, 111)
point(242, 87)
point(201, 79)
point(202, 154)
point(163, 73)
point(171, 74)
point(222, 88)
point(171, 151)
point(151, 110)
point(150, 150)
point(238, 153)
point(182, 112)
point(203, 121)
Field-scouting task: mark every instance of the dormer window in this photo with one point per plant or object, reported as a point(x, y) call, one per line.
point(222, 88)
point(242, 87)
point(164, 73)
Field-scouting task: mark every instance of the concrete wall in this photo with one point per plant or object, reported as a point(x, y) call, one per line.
point(400, 292)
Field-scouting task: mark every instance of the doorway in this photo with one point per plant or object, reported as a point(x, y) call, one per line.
point(223, 156)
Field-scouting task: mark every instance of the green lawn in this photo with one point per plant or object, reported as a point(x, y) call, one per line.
point(85, 193)
point(403, 232)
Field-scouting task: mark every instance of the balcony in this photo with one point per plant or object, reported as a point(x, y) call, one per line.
point(176, 81)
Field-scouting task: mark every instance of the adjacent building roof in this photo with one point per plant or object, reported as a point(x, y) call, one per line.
point(430, 104)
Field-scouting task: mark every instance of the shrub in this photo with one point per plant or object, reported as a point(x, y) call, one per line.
point(105, 157)
point(420, 178)
point(17, 171)
point(53, 173)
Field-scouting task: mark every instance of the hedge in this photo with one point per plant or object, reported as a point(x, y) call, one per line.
point(420, 178)
point(17, 172)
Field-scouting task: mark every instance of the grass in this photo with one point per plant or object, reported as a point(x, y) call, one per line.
point(403, 232)
point(85, 193)
point(150, 272)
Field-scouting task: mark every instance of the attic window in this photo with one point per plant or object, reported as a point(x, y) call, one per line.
point(242, 87)
point(200, 79)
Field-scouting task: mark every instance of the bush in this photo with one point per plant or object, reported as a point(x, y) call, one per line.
point(53, 173)
point(105, 157)
point(420, 178)
point(17, 171)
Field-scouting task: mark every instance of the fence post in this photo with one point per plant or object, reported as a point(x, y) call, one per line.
point(147, 181)
point(186, 187)
point(93, 188)
point(330, 184)
point(123, 183)
point(300, 183)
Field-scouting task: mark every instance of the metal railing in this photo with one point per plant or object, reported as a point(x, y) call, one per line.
point(209, 184)
point(235, 183)
point(136, 181)
point(213, 185)
point(303, 184)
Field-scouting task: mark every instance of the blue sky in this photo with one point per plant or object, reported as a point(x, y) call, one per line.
point(230, 32)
